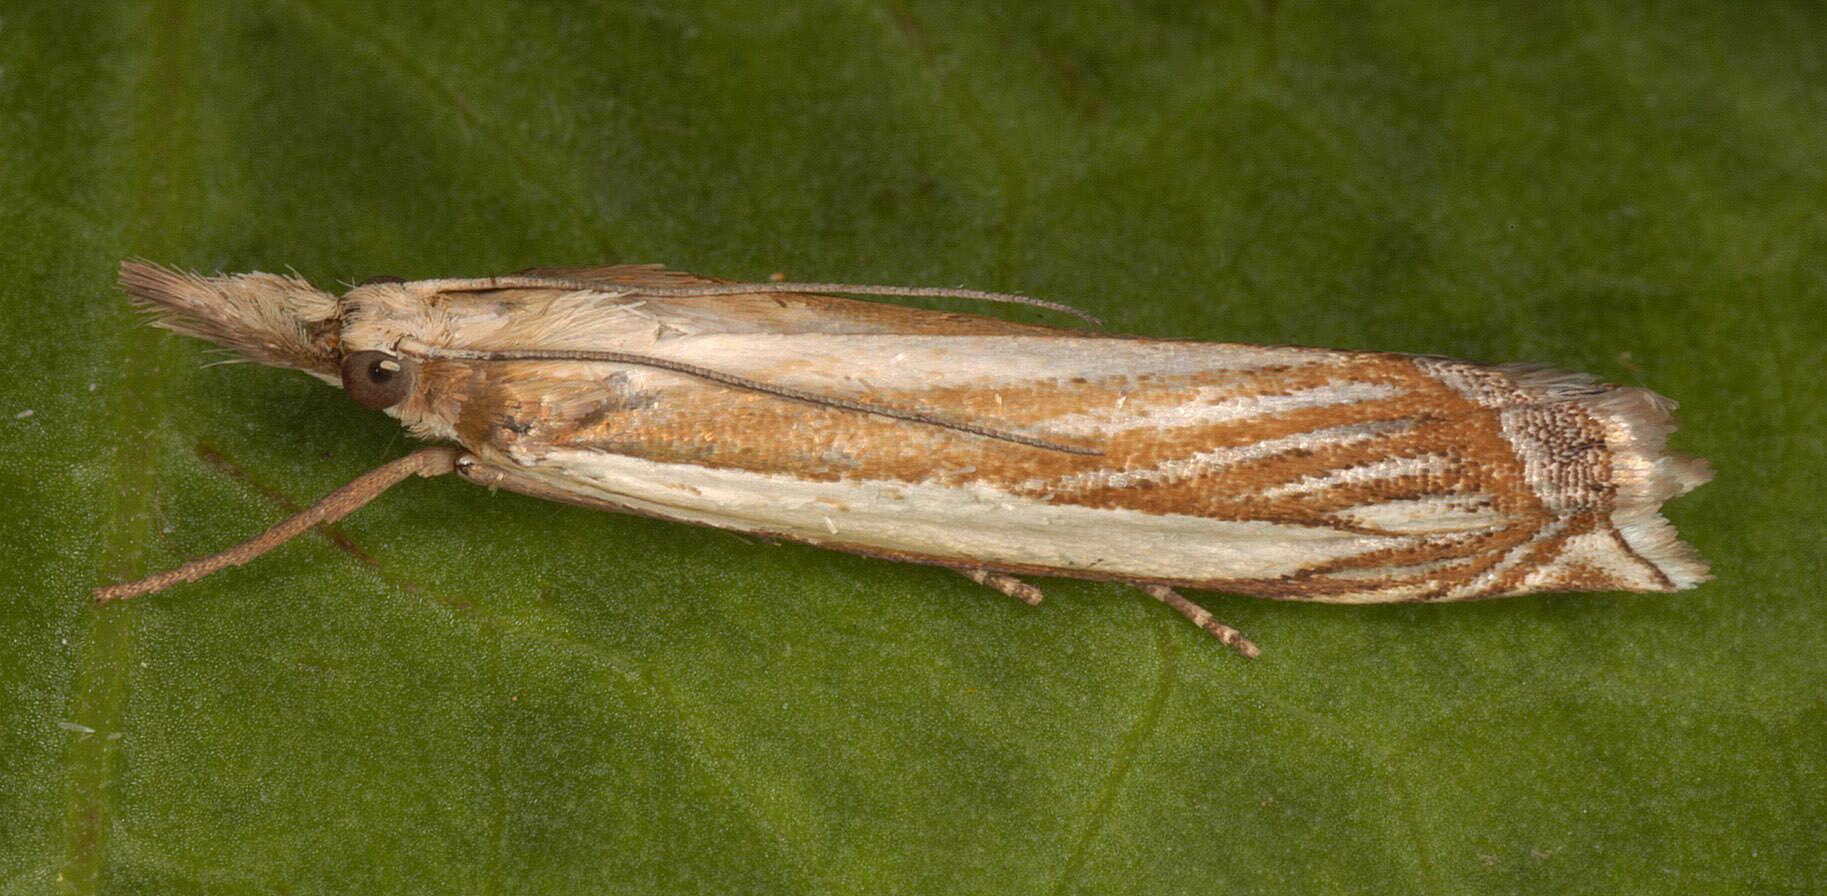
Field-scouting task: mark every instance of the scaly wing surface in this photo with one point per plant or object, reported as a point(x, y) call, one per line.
point(1286, 472)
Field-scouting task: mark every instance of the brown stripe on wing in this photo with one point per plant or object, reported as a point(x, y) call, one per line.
point(1422, 418)
point(1544, 545)
point(1461, 558)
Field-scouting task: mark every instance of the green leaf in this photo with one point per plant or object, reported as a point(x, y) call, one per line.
point(466, 692)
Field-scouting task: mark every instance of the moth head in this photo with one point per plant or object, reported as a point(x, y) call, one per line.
point(274, 319)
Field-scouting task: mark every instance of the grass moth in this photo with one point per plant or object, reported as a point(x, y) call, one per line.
point(999, 449)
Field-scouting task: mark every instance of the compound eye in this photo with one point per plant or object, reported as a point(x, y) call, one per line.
point(384, 278)
point(377, 380)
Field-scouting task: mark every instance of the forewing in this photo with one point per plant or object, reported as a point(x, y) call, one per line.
point(1280, 471)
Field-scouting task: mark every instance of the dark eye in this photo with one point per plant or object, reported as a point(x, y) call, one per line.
point(384, 278)
point(377, 380)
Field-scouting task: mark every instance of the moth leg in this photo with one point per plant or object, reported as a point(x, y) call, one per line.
point(1003, 582)
point(333, 507)
point(1203, 618)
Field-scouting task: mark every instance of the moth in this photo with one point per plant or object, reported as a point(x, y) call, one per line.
point(999, 449)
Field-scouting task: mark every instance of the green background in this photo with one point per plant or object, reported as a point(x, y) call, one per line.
point(466, 693)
